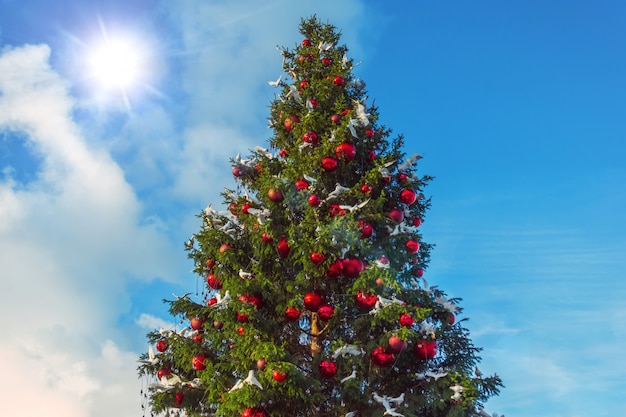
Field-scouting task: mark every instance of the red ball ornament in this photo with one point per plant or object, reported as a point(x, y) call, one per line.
point(314, 200)
point(245, 207)
point(369, 133)
point(386, 179)
point(412, 246)
point(417, 222)
point(346, 151)
point(237, 171)
point(396, 345)
point(326, 312)
point(210, 263)
point(352, 267)
point(266, 238)
point(425, 349)
point(165, 371)
point(336, 210)
point(306, 42)
point(338, 80)
point(335, 118)
point(292, 314)
point(313, 301)
point(406, 320)
point(241, 330)
point(197, 337)
point(365, 301)
point(224, 248)
point(310, 137)
point(213, 282)
point(196, 323)
point(366, 229)
point(317, 258)
point(372, 155)
point(197, 362)
point(451, 319)
point(178, 399)
point(260, 364)
point(313, 102)
point(283, 153)
point(366, 188)
point(302, 185)
point(161, 345)
point(418, 272)
point(329, 164)
point(335, 269)
point(242, 317)
point(326, 61)
point(304, 84)
point(396, 215)
point(276, 195)
point(402, 177)
point(327, 369)
point(382, 358)
point(408, 196)
point(279, 376)
point(283, 247)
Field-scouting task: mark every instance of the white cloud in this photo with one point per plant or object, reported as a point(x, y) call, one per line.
point(69, 240)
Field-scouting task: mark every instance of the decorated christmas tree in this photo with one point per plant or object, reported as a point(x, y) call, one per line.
point(314, 301)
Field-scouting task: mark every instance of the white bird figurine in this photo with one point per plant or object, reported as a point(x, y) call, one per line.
point(436, 375)
point(166, 383)
point(386, 401)
point(344, 350)
point(458, 392)
point(352, 126)
point(275, 83)
point(222, 301)
point(152, 360)
point(339, 189)
point(325, 46)
point(250, 380)
point(362, 117)
point(293, 93)
point(350, 414)
point(245, 275)
point(355, 207)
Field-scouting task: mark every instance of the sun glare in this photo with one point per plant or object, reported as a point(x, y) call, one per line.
point(116, 64)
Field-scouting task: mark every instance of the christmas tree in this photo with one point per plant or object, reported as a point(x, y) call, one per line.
point(314, 302)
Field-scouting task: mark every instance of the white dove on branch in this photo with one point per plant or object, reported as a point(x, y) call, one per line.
point(166, 383)
point(310, 179)
point(250, 380)
point(445, 303)
point(325, 46)
point(384, 302)
point(189, 243)
point(222, 301)
point(293, 93)
point(435, 375)
point(362, 117)
point(349, 377)
point(339, 189)
point(264, 151)
point(344, 60)
point(352, 126)
point(194, 383)
point(386, 401)
point(152, 360)
point(245, 275)
point(458, 392)
point(409, 162)
point(355, 207)
point(261, 215)
point(344, 350)
point(382, 263)
point(275, 83)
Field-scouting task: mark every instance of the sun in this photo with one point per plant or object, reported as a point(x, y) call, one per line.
point(116, 63)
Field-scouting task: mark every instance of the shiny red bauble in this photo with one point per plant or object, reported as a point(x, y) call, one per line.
point(165, 371)
point(210, 263)
point(352, 267)
point(302, 185)
point(310, 137)
point(279, 376)
point(242, 317)
point(346, 151)
point(327, 369)
point(196, 323)
point(412, 246)
point(335, 118)
point(396, 345)
point(396, 215)
point(213, 282)
point(338, 80)
point(313, 301)
point(197, 362)
point(161, 345)
point(326, 312)
point(276, 195)
point(317, 257)
point(283, 247)
point(365, 301)
point(314, 200)
point(408, 196)
point(335, 269)
point(306, 42)
point(329, 164)
point(425, 349)
point(406, 320)
point(266, 238)
point(366, 229)
point(292, 314)
point(380, 357)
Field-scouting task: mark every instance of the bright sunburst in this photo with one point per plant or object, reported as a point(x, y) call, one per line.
point(116, 64)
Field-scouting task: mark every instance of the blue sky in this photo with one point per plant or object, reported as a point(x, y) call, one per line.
point(518, 108)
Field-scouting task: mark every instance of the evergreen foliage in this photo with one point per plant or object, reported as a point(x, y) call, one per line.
point(314, 303)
